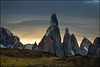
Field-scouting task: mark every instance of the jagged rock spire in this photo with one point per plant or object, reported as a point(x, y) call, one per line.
point(66, 43)
point(34, 48)
point(73, 35)
point(53, 20)
point(74, 43)
point(94, 49)
point(84, 46)
point(35, 43)
point(51, 41)
point(70, 45)
point(66, 30)
point(85, 38)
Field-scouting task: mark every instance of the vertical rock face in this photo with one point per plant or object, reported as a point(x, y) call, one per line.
point(70, 45)
point(75, 46)
point(17, 43)
point(51, 42)
point(53, 20)
point(67, 43)
point(94, 49)
point(84, 46)
point(8, 40)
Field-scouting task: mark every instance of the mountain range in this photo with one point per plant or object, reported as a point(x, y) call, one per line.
point(51, 42)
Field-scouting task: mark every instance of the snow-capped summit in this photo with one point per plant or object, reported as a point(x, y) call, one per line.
point(8, 40)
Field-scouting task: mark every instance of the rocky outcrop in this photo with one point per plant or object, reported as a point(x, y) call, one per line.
point(8, 40)
point(35, 47)
point(70, 45)
point(28, 46)
point(94, 49)
point(51, 41)
point(84, 46)
point(75, 46)
point(67, 43)
point(31, 46)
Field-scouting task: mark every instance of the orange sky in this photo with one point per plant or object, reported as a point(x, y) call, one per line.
point(31, 37)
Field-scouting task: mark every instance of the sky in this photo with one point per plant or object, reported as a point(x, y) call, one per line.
point(29, 20)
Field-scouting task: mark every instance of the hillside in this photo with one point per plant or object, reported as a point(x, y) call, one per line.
point(24, 53)
point(18, 57)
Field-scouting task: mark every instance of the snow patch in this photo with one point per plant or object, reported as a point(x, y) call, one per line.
point(9, 33)
point(72, 52)
point(19, 48)
point(16, 39)
point(52, 23)
point(9, 46)
point(52, 28)
point(47, 33)
point(85, 48)
point(29, 46)
point(2, 46)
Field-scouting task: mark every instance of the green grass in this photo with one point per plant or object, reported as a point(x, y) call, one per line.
point(16, 57)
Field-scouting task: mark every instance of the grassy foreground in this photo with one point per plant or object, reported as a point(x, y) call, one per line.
point(17, 57)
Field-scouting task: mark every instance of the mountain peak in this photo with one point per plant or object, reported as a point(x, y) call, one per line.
point(5, 31)
point(85, 38)
point(66, 30)
point(86, 42)
point(9, 40)
point(35, 44)
point(97, 40)
point(73, 35)
point(53, 20)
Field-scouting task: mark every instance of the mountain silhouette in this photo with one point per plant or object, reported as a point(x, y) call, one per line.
point(51, 42)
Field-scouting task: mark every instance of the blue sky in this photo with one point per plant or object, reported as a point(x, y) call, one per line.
point(30, 19)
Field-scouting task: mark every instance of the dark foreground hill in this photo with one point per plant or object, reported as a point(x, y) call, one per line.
point(17, 57)
point(24, 53)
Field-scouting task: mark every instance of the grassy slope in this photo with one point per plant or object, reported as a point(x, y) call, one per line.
point(16, 57)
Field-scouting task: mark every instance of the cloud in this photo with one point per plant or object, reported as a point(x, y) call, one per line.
point(17, 18)
point(94, 2)
point(42, 8)
point(30, 20)
point(34, 30)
